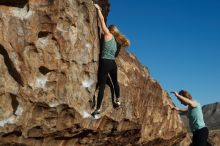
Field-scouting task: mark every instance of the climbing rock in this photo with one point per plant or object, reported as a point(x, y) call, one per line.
point(49, 57)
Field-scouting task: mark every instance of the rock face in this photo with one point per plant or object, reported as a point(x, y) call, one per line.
point(214, 138)
point(49, 56)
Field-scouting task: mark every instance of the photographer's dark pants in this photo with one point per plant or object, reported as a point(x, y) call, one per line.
point(108, 67)
point(200, 137)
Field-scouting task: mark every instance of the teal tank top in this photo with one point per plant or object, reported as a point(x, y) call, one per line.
point(109, 49)
point(195, 116)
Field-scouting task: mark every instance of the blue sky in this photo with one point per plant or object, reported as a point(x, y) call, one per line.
point(178, 40)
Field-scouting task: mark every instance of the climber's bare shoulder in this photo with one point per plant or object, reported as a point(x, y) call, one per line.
point(108, 36)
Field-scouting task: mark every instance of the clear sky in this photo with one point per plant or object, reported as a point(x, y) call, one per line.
point(178, 40)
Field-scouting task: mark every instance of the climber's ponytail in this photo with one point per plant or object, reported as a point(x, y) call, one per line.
point(120, 38)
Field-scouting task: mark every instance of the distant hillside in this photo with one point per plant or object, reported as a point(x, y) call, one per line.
point(211, 116)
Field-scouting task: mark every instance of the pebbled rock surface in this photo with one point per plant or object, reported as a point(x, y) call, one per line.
point(49, 56)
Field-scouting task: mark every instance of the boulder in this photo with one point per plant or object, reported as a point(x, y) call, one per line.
point(49, 59)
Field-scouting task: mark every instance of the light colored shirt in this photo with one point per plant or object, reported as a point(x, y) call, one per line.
point(195, 116)
point(109, 49)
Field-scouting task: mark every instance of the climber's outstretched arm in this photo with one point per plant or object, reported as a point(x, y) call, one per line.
point(102, 20)
point(185, 100)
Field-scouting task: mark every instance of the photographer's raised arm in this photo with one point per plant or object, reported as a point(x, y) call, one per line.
point(185, 100)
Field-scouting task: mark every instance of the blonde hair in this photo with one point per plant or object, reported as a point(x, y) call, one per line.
point(185, 94)
point(120, 38)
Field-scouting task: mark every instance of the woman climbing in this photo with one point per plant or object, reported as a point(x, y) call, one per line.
point(113, 41)
point(195, 116)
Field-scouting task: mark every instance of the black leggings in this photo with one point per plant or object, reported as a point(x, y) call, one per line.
point(107, 67)
point(200, 137)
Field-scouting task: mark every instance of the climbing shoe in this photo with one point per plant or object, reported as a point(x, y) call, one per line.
point(97, 111)
point(117, 102)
